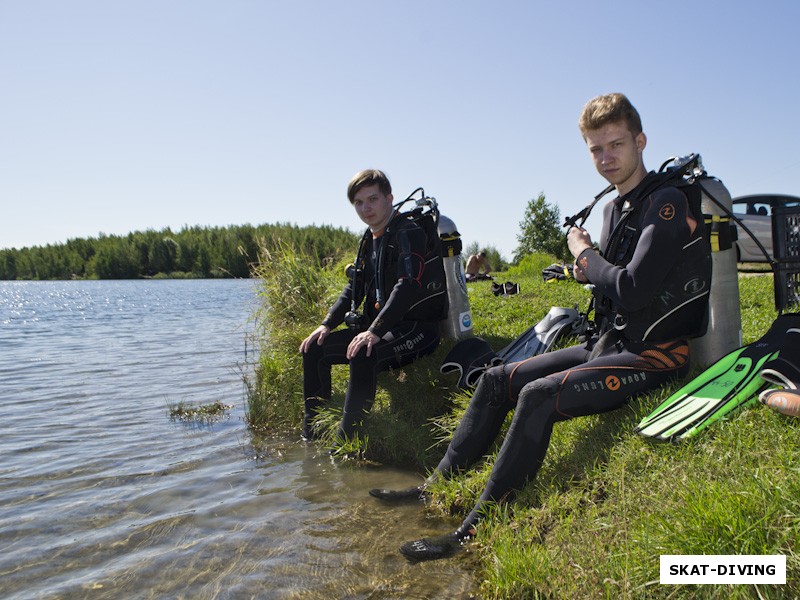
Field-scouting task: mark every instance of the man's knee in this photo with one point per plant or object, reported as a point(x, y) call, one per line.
point(312, 355)
point(538, 396)
point(493, 386)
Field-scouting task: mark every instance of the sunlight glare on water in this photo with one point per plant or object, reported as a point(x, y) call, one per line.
point(102, 495)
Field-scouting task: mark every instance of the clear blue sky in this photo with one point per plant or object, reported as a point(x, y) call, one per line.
point(119, 116)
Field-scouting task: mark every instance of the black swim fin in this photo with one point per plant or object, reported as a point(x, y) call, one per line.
point(472, 356)
point(434, 548)
point(541, 337)
point(784, 370)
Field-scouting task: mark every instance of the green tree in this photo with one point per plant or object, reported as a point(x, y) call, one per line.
point(540, 231)
point(115, 259)
point(203, 251)
point(163, 254)
point(8, 264)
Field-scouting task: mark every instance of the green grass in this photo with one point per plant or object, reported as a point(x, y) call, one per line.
point(606, 503)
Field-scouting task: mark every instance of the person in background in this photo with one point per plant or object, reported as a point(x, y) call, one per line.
point(391, 306)
point(650, 282)
point(478, 267)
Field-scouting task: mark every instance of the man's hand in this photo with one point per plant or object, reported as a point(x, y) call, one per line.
point(578, 273)
point(318, 335)
point(366, 338)
point(578, 240)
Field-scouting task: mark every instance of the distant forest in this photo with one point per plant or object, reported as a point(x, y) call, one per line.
point(200, 252)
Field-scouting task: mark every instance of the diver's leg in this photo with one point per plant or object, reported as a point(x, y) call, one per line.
point(495, 395)
point(601, 385)
point(360, 392)
point(317, 362)
point(404, 344)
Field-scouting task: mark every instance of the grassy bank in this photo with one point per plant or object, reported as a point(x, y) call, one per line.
point(606, 503)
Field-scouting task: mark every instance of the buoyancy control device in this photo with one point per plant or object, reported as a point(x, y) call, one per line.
point(442, 238)
point(723, 332)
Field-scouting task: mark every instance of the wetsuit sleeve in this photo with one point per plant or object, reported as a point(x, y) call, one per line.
point(407, 269)
point(664, 232)
point(336, 313)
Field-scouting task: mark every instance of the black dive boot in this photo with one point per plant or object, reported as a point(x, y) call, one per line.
point(434, 548)
point(413, 493)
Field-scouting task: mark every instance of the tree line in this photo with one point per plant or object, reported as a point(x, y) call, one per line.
point(202, 252)
point(205, 252)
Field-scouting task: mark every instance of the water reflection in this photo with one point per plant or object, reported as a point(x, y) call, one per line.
point(347, 545)
point(102, 495)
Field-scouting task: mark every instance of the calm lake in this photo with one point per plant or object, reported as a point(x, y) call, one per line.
point(103, 495)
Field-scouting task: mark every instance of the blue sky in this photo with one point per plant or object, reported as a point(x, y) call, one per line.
point(120, 116)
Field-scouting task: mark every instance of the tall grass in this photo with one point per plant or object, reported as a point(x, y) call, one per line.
point(606, 503)
point(296, 290)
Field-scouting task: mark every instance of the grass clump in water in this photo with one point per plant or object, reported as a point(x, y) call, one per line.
point(206, 413)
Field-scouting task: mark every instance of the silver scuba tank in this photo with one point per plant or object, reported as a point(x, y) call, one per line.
point(458, 323)
point(724, 333)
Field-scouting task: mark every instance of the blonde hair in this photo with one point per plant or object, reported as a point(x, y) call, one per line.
point(609, 108)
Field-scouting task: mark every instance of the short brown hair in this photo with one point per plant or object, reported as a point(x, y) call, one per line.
point(365, 178)
point(609, 108)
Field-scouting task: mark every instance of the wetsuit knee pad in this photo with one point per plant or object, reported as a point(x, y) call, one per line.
point(493, 386)
point(538, 393)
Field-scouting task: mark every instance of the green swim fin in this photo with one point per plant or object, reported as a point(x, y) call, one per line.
point(732, 382)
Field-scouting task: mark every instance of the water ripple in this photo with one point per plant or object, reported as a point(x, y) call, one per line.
point(102, 495)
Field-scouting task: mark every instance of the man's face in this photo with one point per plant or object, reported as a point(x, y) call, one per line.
point(617, 155)
point(372, 206)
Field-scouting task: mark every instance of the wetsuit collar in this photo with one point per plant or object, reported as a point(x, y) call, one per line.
point(634, 193)
point(378, 231)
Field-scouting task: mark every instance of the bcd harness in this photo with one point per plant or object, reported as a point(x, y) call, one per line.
point(425, 215)
point(689, 284)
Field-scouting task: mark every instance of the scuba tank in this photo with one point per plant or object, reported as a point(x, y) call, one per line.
point(724, 333)
point(458, 323)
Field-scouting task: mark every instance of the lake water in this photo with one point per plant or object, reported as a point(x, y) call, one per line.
point(103, 495)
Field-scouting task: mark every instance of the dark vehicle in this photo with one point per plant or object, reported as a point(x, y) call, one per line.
point(755, 212)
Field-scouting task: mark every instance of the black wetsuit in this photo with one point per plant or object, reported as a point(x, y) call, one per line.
point(651, 280)
point(403, 292)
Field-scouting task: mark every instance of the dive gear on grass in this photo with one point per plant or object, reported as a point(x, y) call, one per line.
point(458, 323)
point(469, 358)
point(784, 369)
point(729, 384)
point(724, 333)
